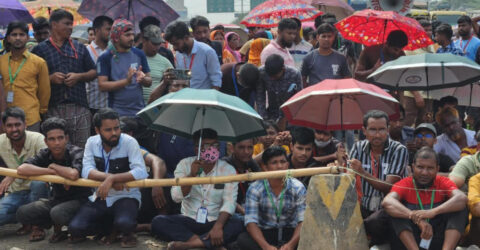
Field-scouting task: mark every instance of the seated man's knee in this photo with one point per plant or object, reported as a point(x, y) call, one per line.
point(59, 216)
point(159, 223)
point(125, 224)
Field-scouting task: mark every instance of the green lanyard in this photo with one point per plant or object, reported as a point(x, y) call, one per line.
point(19, 161)
point(278, 210)
point(420, 201)
point(12, 78)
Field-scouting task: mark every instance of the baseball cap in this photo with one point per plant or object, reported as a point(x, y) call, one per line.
point(428, 126)
point(153, 33)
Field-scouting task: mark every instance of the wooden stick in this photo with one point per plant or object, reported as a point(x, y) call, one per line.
point(188, 181)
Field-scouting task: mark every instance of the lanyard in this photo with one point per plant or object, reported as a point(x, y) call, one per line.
point(107, 162)
point(191, 61)
point(19, 161)
point(64, 54)
point(93, 51)
point(278, 210)
point(375, 171)
point(466, 45)
point(418, 197)
point(235, 81)
point(12, 78)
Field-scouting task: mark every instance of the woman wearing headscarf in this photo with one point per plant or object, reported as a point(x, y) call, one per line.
point(260, 42)
point(217, 35)
point(231, 44)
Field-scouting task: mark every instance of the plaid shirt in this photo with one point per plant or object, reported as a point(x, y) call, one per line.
point(452, 49)
point(259, 209)
point(96, 99)
point(66, 62)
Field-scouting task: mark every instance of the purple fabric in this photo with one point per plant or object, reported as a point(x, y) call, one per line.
point(132, 10)
point(13, 10)
point(235, 53)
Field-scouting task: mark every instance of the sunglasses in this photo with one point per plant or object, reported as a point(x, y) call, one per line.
point(428, 136)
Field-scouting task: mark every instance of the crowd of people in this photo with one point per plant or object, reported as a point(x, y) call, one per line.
point(70, 109)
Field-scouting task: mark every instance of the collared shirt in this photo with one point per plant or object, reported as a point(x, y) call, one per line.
point(205, 68)
point(125, 157)
point(299, 51)
point(72, 158)
point(31, 88)
point(215, 198)
point(393, 162)
point(33, 143)
point(469, 47)
point(452, 49)
point(96, 99)
point(448, 147)
point(66, 61)
point(259, 209)
point(274, 48)
point(271, 94)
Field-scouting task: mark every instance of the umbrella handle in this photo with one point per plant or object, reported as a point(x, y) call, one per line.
point(201, 135)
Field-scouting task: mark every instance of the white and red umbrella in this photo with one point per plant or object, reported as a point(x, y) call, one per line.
point(337, 105)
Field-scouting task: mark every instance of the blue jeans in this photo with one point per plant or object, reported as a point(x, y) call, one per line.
point(10, 203)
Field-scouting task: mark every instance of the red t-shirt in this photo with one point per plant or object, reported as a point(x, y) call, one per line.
point(404, 188)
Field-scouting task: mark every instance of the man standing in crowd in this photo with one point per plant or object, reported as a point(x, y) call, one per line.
point(196, 57)
point(241, 80)
point(62, 159)
point(41, 29)
point(101, 25)
point(468, 43)
point(201, 32)
point(25, 77)
point(443, 36)
point(398, 131)
point(162, 50)
point(70, 66)
point(17, 145)
point(287, 30)
point(300, 48)
point(112, 158)
point(123, 71)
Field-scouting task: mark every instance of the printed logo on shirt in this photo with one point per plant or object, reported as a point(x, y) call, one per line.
point(335, 68)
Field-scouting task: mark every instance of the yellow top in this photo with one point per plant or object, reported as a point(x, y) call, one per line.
point(473, 192)
point(258, 148)
point(31, 88)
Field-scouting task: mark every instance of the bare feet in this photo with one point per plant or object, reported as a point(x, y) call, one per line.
point(144, 228)
point(177, 245)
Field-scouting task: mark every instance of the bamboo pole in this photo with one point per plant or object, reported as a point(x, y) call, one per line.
point(188, 181)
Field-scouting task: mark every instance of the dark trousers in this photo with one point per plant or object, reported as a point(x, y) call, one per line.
point(246, 242)
point(377, 225)
point(182, 228)
point(94, 217)
point(44, 212)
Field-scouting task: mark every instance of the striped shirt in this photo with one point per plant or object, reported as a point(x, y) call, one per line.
point(96, 99)
point(299, 51)
point(393, 161)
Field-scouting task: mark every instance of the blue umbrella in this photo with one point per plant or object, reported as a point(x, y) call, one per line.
point(12, 10)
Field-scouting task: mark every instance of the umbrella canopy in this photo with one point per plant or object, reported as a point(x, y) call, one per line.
point(371, 27)
point(426, 72)
point(12, 10)
point(269, 13)
point(133, 10)
point(322, 105)
point(339, 8)
point(189, 110)
point(43, 8)
point(467, 95)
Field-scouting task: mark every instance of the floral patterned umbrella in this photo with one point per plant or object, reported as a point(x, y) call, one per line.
point(371, 27)
point(269, 13)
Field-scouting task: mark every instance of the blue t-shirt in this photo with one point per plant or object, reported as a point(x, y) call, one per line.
point(470, 49)
point(128, 100)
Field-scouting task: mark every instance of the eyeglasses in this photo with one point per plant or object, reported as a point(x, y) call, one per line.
point(381, 131)
point(428, 136)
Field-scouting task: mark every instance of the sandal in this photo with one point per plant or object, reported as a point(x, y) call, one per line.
point(24, 230)
point(37, 234)
point(57, 237)
point(129, 241)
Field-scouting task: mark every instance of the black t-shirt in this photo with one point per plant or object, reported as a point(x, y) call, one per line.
point(252, 166)
point(310, 163)
point(73, 158)
point(327, 150)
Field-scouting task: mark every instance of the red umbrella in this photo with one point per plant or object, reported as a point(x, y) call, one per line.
point(340, 8)
point(269, 13)
point(371, 27)
point(322, 105)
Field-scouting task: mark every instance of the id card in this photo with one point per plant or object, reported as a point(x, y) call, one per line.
point(202, 215)
point(425, 244)
point(10, 96)
point(134, 66)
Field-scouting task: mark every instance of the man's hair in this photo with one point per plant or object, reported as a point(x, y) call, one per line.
point(54, 123)
point(199, 21)
point(375, 114)
point(177, 30)
point(99, 21)
point(219, 27)
point(464, 19)
point(147, 21)
point(448, 100)
point(104, 114)
point(328, 16)
point(287, 23)
point(17, 25)
point(251, 139)
point(445, 112)
point(207, 133)
point(128, 124)
point(249, 75)
point(445, 29)
point(303, 136)
point(60, 14)
point(271, 124)
point(397, 39)
point(325, 28)
point(271, 152)
point(274, 64)
point(426, 153)
point(299, 23)
point(424, 23)
point(40, 23)
point(90, 28)
point(318, 21)
point(14, 112)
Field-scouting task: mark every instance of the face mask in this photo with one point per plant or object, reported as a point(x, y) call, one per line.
point(322, 144)
point(210, 154)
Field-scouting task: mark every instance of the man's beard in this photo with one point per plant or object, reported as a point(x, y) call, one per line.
point(110, 143)
point(22, 135)
point(285, 44)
